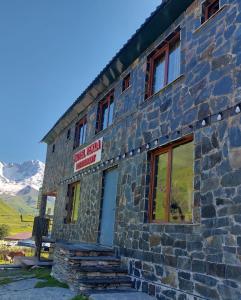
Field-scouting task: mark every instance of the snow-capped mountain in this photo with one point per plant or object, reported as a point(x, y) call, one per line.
point(20, 178)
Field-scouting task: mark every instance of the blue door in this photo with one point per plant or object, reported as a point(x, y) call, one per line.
point(107, 225)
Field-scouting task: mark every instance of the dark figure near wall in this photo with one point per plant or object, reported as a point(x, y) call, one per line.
point(174, 209)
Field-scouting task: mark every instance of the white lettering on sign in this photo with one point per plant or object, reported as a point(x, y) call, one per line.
point(88, 156)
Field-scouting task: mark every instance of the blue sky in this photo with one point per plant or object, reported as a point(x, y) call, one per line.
point(49, 52)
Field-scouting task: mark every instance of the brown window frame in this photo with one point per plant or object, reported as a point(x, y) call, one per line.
point(162, 50)
point(126, 82)
point(78, 127)
point(207, 8)
point(69, 206)
point(166, 149)
point(108, 99)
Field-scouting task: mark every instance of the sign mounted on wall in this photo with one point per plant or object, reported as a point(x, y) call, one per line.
point(88, 156)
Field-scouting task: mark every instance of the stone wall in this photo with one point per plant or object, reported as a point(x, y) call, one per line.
point(168, 260)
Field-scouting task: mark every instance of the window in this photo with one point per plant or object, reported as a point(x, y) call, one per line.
point(163, 65)
point(53, 148)
point(171, 189)
point(80, 132)
point(105, 112)
point(126, 82)
point(74, 202)
point(209, 8)
point(68, 134)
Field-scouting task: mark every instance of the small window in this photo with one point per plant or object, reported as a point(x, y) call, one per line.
point(163, 65)
point(209, 8)
point(105, 112)
point(68, 134)
point(73, 203)
point(126, 82)
point(80, 132)
point(53, 148)
point(171, 189)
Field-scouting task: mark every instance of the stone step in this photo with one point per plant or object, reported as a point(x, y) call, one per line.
point(93, 253)
point(102, 282)
point(95, 271)
point(99, 269)
point(108, 291)
point(93, 261)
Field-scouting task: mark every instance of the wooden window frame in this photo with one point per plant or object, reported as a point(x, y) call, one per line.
point(108, 99)
point(70, 204)
point(162, 50)
point(78, 127)
point(206, 7)
point(126, 82)
point(166, 149)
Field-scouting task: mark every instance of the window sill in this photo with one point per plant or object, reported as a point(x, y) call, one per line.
point(165, 87)
point(208, 20)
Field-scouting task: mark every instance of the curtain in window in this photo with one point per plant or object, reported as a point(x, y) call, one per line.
point(159, 75)
point(174, 63)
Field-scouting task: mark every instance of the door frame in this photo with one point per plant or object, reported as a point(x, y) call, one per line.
point(102, 199)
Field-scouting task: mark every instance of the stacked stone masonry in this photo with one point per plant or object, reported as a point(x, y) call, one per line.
point(170, 261)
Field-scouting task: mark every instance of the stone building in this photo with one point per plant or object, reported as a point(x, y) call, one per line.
point(147, 161)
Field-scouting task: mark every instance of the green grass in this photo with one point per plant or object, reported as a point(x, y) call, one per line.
point(79, 297)
point(44, 274)
point(51, 282)
point(11, 217)
point(5, 281)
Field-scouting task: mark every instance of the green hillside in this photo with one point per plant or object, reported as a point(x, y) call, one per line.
point(11, 217)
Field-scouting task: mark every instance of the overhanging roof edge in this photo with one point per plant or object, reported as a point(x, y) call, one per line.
point(165, 5)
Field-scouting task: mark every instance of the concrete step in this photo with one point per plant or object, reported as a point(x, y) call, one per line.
point(102, 282)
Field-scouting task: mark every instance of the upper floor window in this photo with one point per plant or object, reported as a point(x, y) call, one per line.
point(105, 112)
point(126, 82)
point(80, 132)
point(171, 189)
point(73, 202)
point(163, 64)
point(68, 134)
point(53, 148)
point(209, 8)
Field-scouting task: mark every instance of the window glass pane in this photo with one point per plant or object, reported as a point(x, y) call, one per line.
point(159, 74)
point(104, 120)
point(174, 63)
point(84, 133)
point(182, 184)
point(111, 110)
point(76, 202)
point(81, 135)
point(160, 187)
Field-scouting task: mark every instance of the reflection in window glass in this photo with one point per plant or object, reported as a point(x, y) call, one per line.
point(104, 120)
point(159, 198)
point(174, 63)
point(75, 201)
point(182, 184)
point(111, 110)
point(159, 74)
point(172, 185)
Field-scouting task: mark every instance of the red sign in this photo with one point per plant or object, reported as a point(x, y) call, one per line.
point(88, 156)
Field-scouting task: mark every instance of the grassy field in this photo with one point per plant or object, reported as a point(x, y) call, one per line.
point(11, 217)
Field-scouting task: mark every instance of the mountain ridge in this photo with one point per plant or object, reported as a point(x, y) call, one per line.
point(20, 183)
